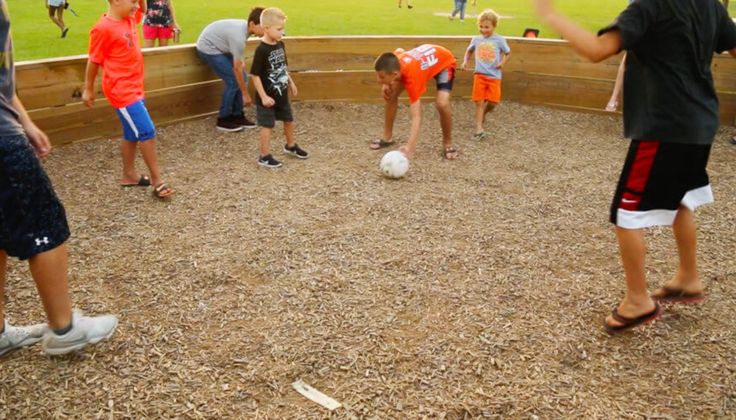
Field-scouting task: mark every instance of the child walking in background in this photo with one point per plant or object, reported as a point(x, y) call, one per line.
point(411, 71)
point(114, 45)
point(491, 54)
point(671, 115)
point(272, 82)
point(56, 14)
point(159, 23)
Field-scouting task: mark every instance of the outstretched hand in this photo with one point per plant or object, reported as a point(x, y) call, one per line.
point(544, 8)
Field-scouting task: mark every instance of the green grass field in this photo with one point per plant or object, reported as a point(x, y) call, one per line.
point(35, 36)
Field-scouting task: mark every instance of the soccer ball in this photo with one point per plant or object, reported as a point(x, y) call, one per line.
point(394, 164)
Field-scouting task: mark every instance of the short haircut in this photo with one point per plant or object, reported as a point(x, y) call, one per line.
point(255, 15)
point(488, 15)
point(272, 16)
point(387, 62)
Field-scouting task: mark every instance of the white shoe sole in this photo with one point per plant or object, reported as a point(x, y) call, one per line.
point(229, 130)
point(57, 351)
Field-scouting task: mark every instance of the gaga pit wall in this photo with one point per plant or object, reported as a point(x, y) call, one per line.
point(179, 86)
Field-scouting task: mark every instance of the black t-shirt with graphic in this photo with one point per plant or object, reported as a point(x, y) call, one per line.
point(668, 85)
point(270, 64)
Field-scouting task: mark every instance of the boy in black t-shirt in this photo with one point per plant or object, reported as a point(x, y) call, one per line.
point(671, 115)
point(272, 82)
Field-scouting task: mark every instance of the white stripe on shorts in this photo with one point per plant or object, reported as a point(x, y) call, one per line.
point(129, 120)
point(693, 199)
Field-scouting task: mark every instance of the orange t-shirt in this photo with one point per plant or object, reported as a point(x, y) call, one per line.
point(114, 45)
point(421, 64)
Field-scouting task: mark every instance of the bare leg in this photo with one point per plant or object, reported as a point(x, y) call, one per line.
point(633, 255)
point(289, 133)
point(49, 271)
point(392, 106)
point(127, 151)
point(148, 152)
point(149, 43)
point(617, 86)
point(54, 18)
point(490, 106)
point(264, 140)
point(445, 112)
point(480, 116)
point(3, 267)
point(162, 42)
point(687, 278)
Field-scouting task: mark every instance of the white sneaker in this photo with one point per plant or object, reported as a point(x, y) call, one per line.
point(85, 330)
point(16, 337)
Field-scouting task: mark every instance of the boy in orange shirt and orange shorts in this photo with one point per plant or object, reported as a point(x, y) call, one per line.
point(115, 46)
point(491, 53)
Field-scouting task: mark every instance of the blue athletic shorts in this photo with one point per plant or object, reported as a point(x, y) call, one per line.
point(32, 219)
point(137, 123)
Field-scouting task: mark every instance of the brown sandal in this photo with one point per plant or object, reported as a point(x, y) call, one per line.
point(629, 323)
point(163, 191)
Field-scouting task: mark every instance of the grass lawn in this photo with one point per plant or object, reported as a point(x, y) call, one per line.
point(36, 37)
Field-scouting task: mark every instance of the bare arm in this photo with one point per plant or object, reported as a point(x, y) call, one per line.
point(39, 140)
point(466, 57)
point(292, 86)
point(173, 14)
point(266, 100)
point(504, 59)
point(143, 6)
point(88, 95)
point(415, 111)
point(238, 67)
point(589, 45)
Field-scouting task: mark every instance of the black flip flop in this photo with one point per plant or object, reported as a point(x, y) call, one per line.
point(629, 323)
point(678, 296)
point(144, 181)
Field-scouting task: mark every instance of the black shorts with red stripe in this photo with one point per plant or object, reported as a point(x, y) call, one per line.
point(657, 178)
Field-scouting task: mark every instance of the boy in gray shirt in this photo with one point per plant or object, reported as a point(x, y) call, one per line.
point(221, 45)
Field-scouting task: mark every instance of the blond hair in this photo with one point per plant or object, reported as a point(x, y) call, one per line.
point(272, 16)
point(488, 15)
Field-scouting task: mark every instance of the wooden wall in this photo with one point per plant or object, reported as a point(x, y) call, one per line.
point(179, 86)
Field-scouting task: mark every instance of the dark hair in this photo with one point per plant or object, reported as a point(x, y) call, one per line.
point(255, 15)
point(387, 63)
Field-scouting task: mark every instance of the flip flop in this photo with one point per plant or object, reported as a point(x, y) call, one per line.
point(671, 295)
point(143, 181)
point(629, 323)
point(380, 144)
point(163, 191)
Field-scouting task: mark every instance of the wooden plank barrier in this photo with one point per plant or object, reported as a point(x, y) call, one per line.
point(180, 86)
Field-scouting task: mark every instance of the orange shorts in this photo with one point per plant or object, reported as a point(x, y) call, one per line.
point(486, 89)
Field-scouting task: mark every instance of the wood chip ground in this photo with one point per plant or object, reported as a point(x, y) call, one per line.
point(469, 289)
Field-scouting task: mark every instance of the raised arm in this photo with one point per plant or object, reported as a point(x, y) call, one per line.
point(587, 44)
point(143, 5)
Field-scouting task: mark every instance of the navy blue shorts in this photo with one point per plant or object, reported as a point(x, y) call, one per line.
point(137, 123)
point(267, 117)
point(32, 219)
point(445, 78)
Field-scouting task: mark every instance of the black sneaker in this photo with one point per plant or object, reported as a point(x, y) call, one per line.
point(269, 162)
point(733, 140)
point(244, 121)
point(297, 151)
point(228, 124)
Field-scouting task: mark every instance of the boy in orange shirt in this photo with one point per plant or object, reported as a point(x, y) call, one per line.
point(115, 46)
point(410, 71)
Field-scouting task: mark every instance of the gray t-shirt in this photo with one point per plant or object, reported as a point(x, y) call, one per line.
point(9, 124)
point(488, 54)
point(226, 36)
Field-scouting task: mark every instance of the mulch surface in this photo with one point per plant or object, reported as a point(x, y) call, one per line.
point(473, 288)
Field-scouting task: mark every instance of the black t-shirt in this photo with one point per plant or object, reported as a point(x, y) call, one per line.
point(270, 64)
point(668, 84)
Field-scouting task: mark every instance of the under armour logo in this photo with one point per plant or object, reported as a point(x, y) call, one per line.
point(44, 241)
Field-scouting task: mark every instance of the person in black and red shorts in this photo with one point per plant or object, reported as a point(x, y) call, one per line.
point(671, 114)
